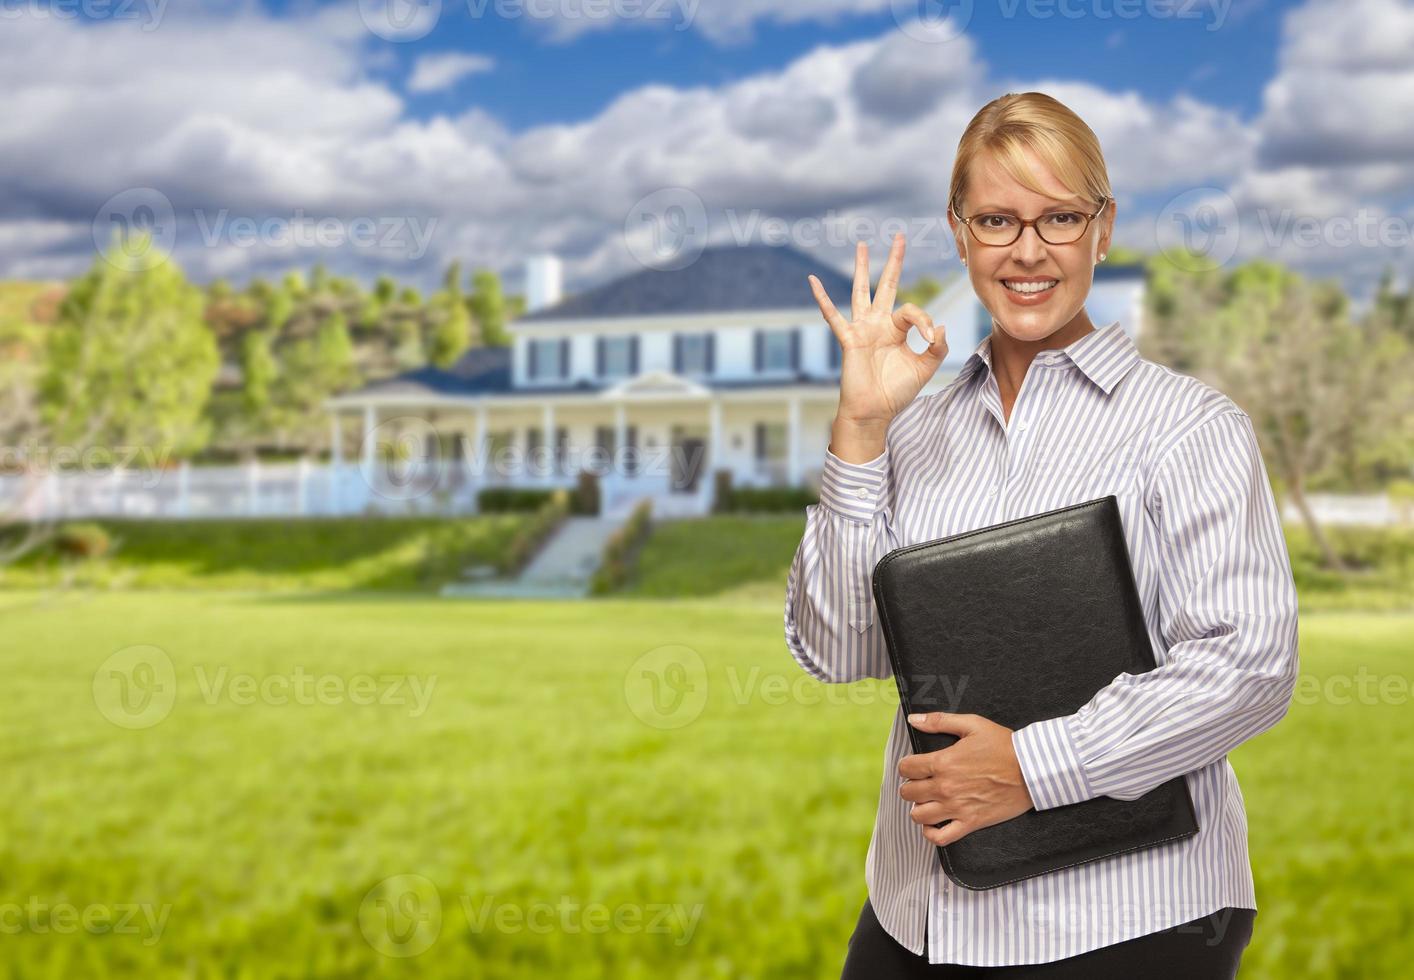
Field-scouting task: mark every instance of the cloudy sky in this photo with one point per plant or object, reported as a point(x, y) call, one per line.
point(396, 135)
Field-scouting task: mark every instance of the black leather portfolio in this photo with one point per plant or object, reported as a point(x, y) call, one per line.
point(1019, 622)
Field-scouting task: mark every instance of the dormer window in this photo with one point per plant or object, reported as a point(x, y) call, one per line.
point(777, 351)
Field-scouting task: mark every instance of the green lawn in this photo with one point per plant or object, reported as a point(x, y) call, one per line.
point(528, 779)
point(337, 554)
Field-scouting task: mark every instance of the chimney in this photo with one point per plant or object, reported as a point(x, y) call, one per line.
point(543, 276)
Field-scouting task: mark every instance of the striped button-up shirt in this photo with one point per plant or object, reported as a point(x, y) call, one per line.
point(1209, 558)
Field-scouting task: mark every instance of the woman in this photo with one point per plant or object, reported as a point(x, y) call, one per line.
point(1049, 411)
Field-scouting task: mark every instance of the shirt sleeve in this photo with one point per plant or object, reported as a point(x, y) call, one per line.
point(829, 613)
point(1227, 609)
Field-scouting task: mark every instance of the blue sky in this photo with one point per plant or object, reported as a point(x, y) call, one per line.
point(487, 138)
point(1221, 55)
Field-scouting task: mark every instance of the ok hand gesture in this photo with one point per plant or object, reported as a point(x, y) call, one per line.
point(879, 372)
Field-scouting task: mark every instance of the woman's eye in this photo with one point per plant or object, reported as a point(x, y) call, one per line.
point(996, 220)
point(1063, 218)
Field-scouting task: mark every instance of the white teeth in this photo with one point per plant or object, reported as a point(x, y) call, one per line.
point(1030, 287)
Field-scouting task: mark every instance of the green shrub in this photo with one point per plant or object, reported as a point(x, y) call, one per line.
point(501, 500)
point(85, 540)
point(619, 551)
point(766, 500)
point(530, 537)
point(586, 495)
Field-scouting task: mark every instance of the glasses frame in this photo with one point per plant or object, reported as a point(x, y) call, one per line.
point(1031, 223)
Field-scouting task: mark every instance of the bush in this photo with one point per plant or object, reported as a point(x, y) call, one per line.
point(502, 500)
point(85, 540)
point(765, 500)
point(529, 538)
point(620, 549)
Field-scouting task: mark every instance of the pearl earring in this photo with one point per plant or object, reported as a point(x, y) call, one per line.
point(1102, 256)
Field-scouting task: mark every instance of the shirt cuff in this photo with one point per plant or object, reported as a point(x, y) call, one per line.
point(1050, 765)
point(852, 489)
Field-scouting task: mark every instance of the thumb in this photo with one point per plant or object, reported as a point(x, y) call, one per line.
point(944, 721)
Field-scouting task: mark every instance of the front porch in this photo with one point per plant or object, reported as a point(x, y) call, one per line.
point(656, 436)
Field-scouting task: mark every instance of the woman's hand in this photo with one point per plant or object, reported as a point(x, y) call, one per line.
point(974, 783)
point(879, 372)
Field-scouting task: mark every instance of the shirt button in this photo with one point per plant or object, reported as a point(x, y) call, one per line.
point(992, 492)
point(862, 493)
point(1021, 426)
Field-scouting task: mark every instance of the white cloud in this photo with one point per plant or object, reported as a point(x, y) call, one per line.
point(247, 115)
point(435, 72)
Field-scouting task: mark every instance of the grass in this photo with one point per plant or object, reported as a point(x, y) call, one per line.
point(335, 554)
point(528, 786)
point(747, 557)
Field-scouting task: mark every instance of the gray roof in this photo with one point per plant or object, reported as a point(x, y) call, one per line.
point(723, 279)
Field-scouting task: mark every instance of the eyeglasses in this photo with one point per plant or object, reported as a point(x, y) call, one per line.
point(1054, 227)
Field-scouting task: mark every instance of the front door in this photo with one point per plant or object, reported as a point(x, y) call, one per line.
point(689, 452)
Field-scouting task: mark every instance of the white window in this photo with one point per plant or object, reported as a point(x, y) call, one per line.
point(776, 350)
point(616, 357)
point(549, 358)
point(693, 353)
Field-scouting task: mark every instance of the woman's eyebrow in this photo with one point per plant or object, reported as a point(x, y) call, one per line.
point(993, 208)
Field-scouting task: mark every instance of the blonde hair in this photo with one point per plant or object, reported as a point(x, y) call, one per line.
point(1014, 122)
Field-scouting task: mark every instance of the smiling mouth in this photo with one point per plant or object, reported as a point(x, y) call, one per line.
point(1030, 288)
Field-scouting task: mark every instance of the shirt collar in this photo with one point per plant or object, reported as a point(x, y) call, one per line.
point(1104, 355)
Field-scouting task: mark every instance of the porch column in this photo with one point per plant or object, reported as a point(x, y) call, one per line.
point(793, 442)
point(474, 460)
point(714, 438)
point(547, 440)
point(370, 422)
point(621, 463)
point(336, 438)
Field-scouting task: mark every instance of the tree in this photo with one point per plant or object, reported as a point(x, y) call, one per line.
point(488, 308)
point(450, 334)
point(1314, 382)
point(130, 361)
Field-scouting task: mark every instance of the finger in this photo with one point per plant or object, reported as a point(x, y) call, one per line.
point(910, 315)
point(920, 791)
point(944, 721)
point(928, 814)
point(888, 280)
point(915, 767)
point(860, 297)
point(950, 833)
point(837, 323)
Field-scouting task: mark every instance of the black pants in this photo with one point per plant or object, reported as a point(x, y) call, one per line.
point(1207, 948)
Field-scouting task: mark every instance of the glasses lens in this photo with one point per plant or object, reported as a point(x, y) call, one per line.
point(1061, 227)
point(995, 229)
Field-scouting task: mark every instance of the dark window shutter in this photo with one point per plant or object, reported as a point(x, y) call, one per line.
point(631, 449)
point(795, 350)
point(633, 355)
point(534, 368)
point(759, 355)
point(711, 353)
point(677, 354)
point(760, 441)
point(598, 357)
point(834, 348)
point(564, 357)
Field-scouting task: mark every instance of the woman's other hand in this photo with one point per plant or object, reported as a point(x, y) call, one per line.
point(879, 372)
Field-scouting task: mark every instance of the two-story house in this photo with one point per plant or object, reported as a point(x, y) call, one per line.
point(655, 381)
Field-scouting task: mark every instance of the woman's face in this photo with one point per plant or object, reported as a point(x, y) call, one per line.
point(990, 267)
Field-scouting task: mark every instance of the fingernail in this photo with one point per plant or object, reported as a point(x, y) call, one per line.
point(914, 719)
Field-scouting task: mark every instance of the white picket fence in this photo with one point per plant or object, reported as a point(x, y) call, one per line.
point(303, 489)
point(436, 487)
